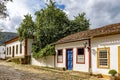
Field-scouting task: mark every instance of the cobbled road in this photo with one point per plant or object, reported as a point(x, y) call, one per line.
point(12, 71)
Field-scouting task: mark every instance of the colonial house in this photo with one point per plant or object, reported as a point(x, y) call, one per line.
point(2, 52)
point(22, 50)
point(96, 50)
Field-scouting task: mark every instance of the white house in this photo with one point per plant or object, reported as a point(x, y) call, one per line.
point(96, 51)
point(2, 52)
point(16, 49)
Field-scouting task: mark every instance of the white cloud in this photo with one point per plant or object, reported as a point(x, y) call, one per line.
point(16, 10)
point(100, 12)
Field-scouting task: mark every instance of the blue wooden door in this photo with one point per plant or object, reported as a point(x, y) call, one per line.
point(69, 59)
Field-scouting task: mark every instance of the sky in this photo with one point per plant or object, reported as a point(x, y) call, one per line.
point(100, 12)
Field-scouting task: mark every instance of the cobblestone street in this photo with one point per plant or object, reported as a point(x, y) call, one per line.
point(12, 71)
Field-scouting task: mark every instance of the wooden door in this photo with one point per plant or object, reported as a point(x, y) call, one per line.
point(13, 51)
point(69, 59)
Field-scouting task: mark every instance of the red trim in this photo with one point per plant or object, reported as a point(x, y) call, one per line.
point(62, 56)
point(17, 49)
point(25, 48)
point(77, 55)
point(13, 52)
point(66, 56)
point(89, 50)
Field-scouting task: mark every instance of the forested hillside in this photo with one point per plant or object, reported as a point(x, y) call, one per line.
point(5, 36)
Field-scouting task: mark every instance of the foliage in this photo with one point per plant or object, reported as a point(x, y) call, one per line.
point(47, 51)
point(27, 28)
point(80, 23)
point(51, 24)
point(112, 72)
point(16, 60)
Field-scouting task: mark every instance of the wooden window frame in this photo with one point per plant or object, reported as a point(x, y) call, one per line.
point(7, 50)
point(108, 59)
point(10, 50)
point(16, 49)
point(77, 55)
point(57, 56)
point(21, 48)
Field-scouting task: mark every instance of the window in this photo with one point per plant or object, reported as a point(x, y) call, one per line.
point(9, 50)
point(16, 49)
point(60, 56)
point(103, 57)
point(80, 58)
point(21, 48)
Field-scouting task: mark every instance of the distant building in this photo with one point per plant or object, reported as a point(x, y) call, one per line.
point(16, 49)
point(2, 52)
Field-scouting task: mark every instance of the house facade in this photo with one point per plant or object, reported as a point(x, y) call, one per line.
point(2, 52)
point(16, 49)
point(96, 51)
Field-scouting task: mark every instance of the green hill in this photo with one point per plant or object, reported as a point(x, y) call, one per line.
point(5, 36)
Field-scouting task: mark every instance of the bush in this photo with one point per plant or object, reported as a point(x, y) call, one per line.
point(48, 50)
point(112, 72)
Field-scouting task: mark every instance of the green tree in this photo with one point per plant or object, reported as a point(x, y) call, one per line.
point(79, 23)
point(51, 25)
point(27, 28)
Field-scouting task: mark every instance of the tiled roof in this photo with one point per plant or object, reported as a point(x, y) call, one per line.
point(105, 30)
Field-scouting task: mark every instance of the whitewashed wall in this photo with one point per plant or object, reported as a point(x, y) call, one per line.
point(14, 44)
point(2, 50)
point(48, 62)
point(29, 46)
point(74, 45)
point(113, 42)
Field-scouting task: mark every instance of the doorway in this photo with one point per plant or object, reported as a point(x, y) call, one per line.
point(69, 59)
point(13, 51)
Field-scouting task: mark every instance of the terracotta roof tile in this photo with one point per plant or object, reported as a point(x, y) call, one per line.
point(105, 30)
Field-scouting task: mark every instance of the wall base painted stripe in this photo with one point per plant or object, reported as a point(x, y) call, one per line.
point(119, 60)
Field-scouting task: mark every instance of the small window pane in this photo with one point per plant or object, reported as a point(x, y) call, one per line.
point(10, 51)
point(16, 49)
point(21, 48)
point(103, 62)
point(59, 52)
point(103, 54)
point(103, 58)
point(81, 51)
point(7, 50)
point(80, 55)
point(60, 57)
